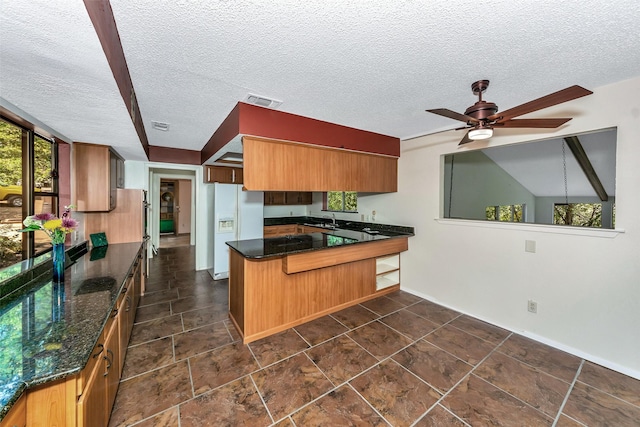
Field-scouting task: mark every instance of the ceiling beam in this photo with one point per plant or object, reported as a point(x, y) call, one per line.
point(104, 22)
point(583, 160)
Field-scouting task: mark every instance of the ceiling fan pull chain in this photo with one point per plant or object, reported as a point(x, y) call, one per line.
point(564, 169)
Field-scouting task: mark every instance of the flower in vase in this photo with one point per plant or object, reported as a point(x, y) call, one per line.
point(56, 228)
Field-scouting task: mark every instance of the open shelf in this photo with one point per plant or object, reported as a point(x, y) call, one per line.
point(387, 271)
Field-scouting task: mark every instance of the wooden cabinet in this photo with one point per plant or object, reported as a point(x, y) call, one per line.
point(223, 174)
point(305, 229)
point(17, 416)
point(287, 198)
point(271, 165)
point(96, 177)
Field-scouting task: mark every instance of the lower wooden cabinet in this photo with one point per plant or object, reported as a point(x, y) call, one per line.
point(17, 416)
point(280, 230)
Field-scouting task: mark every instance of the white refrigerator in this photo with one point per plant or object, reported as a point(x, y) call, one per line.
point(239, 215)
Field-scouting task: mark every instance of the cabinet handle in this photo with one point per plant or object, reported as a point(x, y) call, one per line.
point(115, 313)
point(109, 361)
point(128, 303)
point(98, 353)
point(208, 174)
point(233, 175)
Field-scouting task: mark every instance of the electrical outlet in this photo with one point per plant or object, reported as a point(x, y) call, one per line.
point(532, 306)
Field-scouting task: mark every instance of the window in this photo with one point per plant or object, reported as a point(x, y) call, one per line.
point(506, 213)
point(28, 185)
point(578, 214)
point(341, 201)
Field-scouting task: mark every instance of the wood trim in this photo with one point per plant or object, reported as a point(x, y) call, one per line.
point(103, 21)
point(305, 261)
point(173, 155)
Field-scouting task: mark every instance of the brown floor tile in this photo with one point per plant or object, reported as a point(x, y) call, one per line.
point(341, 359)
point(194, 302)
point(409, 324)
point(320, 330)
point(341, 407)
point(148, 356)
point(459, 343)
point(479, 403)
point(235, 335)
point(285, 422)
point(382, 305)
point(395, 393)
point(540, 390)
point(379, 340)
point(199, 340)
point(480, 329)
point(154, 329)
point(289, 384)
point(438, 368)
point(614, 383)
point(234, 404)
point(439, 417)
point(220, 366)
point(565, 421)
point(205, 316)
point(404, 297)
point(210, 288)
point(185, 275)
point(159, 284)
point(548, 359)
point(150, 298)
point(354, 316)
point(277, 347)
point(168, 418)
point(593, 407)
point(434, 312)
point(155, 311)
point(148, 394)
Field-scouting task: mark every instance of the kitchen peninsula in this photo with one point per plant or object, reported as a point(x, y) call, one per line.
point(277, 283)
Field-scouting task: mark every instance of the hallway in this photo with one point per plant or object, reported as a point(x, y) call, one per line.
point(396, 360)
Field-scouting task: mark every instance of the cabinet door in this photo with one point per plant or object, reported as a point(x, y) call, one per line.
point(17, 416)
point(120, 173)
point(113, 179)
point(220, 174)
point(112, 367)
point(275, 198)
point(92, 183)
point(92, 405)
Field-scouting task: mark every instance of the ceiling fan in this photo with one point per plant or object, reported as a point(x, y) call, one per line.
point(483, 116)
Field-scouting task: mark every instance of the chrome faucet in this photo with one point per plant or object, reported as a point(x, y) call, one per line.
point(332, 218)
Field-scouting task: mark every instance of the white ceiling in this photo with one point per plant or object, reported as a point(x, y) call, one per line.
point(374, 65)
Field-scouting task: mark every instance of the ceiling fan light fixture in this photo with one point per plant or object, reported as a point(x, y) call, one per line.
point(480, 133)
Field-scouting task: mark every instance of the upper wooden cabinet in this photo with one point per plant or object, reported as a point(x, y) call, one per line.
point(287, 198)
point(223, 174)
point(271, 165)
point(99, 171)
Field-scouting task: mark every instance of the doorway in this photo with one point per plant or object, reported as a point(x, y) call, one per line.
point(175, 212)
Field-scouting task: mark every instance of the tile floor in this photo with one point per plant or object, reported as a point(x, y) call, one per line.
point(396, 360)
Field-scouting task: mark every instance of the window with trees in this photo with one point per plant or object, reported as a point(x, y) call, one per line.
point(28, 185)
point(506, 213)
point(342, 201)
point(578, 214)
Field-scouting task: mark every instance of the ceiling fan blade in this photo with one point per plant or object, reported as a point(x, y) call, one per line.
point(555, 98)
point(453, 115)
point(532, 123)
point(465, 139)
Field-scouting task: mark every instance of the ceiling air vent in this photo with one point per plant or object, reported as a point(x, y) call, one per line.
point(160, 126)
point(262, 101)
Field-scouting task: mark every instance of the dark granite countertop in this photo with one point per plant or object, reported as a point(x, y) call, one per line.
point(48, 331)
point(386, 229)
point(286, 245)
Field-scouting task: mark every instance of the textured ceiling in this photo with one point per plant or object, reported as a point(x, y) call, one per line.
point(374, 65)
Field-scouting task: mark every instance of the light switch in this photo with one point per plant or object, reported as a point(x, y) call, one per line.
point(530, 246)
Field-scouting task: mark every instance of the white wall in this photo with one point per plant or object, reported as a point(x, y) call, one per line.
point(137, 175)
point(587, 284)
